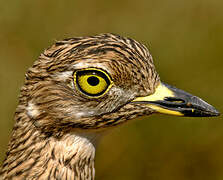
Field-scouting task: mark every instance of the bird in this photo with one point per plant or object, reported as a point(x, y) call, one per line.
point(77, 89)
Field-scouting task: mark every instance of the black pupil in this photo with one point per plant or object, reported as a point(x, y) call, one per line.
point(93, 81)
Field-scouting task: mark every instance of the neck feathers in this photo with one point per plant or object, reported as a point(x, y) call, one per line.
point(32, 155)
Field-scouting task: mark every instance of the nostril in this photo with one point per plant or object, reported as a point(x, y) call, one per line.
point(189, 104)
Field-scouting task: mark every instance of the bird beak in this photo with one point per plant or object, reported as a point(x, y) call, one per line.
point(169, 100)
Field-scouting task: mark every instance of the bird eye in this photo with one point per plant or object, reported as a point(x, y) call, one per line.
point(92, 82)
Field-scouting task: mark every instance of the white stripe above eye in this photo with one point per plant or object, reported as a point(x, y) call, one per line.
point(63, 76)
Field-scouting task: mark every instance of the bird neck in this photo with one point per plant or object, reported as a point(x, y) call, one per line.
point(34, 155)
point(72, 156)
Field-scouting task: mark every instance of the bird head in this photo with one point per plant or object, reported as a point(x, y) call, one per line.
point(98, 82)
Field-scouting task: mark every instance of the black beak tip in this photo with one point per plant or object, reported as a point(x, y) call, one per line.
point(208, 111)
point(215, 112)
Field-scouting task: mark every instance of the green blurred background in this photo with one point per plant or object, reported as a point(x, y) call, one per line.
point(185, 38)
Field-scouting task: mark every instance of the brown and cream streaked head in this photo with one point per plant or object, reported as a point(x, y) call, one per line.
point(54, 96)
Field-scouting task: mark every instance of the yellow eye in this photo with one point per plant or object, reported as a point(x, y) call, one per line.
point(92, 82)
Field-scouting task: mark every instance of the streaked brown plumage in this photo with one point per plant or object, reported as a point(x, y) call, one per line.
point(57, 125)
